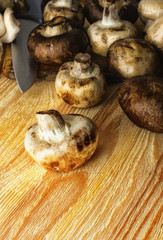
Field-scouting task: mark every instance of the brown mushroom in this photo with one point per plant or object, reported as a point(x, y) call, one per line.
point(61, 142)
point(94, 10)
point(132, 57)
point(80, 83)
point(141, 98)
point(111, 28)
point(57, 41)
point(67, 8)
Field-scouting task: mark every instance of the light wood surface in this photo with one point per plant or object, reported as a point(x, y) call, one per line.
point(118, 194)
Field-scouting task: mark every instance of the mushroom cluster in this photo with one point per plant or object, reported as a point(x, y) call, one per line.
point(65, 142)
point(61, 142)
point(9, 28)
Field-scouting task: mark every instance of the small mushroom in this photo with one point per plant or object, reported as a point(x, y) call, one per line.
point(106, 31)
point(94, 10)
point(61, 142)
point(141, 98)
point(80, 83)
point(154, 33)
point(57, 41)
point(132, 57)
point(66, 8)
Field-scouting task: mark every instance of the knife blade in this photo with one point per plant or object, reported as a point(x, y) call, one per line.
point(25, 67)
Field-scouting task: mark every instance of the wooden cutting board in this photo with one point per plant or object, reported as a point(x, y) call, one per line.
point(117, 194)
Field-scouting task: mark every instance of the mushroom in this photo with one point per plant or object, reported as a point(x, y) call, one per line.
point(141, 98)
point(154, 33)
point(9, 28)
point(57, 41)
point(80, 83)
point(132, 57)
point(150, 9)
point(61, 142)
point(94, 10)
point(106, 31)
point(12, 26)
point(66, 8)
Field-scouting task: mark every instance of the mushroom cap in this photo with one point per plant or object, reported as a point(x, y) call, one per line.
point(94, 10)
point(132, 57)
point(53, 9)
point(57, 48)
point(80, 91)
point(150, 9)
point(70, 152)
point(154, 33)
point(141, 98)
point(101, 36)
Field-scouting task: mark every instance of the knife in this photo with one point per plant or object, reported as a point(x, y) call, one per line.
point(25, 67)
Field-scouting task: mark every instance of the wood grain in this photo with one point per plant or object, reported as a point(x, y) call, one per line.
point(118, 194)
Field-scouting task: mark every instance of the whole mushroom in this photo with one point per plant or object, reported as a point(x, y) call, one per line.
point(132, 57)
point(57, 41)
point(61, 142)
point(106, 31)
point(94, 10)
point(141, 98)
point(80, 83)
point(66, 8)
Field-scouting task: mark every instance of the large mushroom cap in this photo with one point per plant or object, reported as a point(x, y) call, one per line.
point(66, 8)
point(57, 41)
point(80, 83)
point(141, 98)
point(61, 142)
point(132, 57)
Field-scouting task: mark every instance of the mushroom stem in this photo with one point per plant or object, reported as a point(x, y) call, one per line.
point(82, 65)
point(52, 127)
point(55, 28)
point(110, 15)
point(64, 3)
